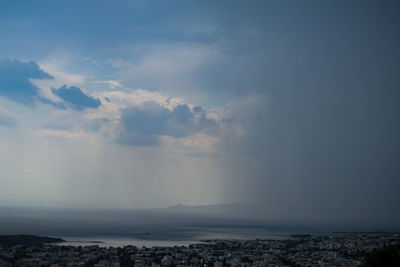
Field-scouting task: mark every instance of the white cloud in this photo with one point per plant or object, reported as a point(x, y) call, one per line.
point(172, 68)
point(106, 119)
point(196, 144)
point(7, 118)
point(91, 60)
point(65, 134)
point(60, 78)
point(168, 67)
point(139, 96)
point(119, 63)
point(111, 83)
point(113, 101)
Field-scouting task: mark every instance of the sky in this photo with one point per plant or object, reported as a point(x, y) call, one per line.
point(291, 106)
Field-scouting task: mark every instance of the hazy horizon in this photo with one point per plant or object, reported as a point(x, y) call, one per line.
point(290, 107)
point(167, 224)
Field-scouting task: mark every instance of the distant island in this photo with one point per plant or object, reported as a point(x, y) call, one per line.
point(13, 240)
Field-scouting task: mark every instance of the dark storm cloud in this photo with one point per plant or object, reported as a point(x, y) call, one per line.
point(142, 125)
point(76, 98)
point(326, 142)
point(15, 81)
point(197, 109)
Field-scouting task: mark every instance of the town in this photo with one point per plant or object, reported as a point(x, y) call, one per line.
point(346, 249)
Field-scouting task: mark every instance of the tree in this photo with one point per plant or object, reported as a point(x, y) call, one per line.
point(387, 256)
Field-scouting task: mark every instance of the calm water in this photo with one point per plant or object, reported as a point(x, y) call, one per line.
point(183, 236)
point(122, 241)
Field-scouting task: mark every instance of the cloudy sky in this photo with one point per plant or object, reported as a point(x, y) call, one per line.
point(289, 105)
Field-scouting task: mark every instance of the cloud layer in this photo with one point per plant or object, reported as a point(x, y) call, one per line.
point(15, 83)
point(75, 98)
point(300, 108)
point(7, 119)
point(142, 125)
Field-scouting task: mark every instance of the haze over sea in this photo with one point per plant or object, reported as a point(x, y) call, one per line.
point(177, 225)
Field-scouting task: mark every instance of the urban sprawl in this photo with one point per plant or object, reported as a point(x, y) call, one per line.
point(335, 250)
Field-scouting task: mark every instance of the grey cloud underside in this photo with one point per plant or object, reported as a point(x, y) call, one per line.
point(52, 103)
point(15, 81)
point(143, 125)
point(75, 98)
point(15, 84)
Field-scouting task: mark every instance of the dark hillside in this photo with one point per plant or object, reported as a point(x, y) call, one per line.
point(13, 240)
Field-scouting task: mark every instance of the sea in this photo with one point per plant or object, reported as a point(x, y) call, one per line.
point(144, 228)
point(183, 236)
